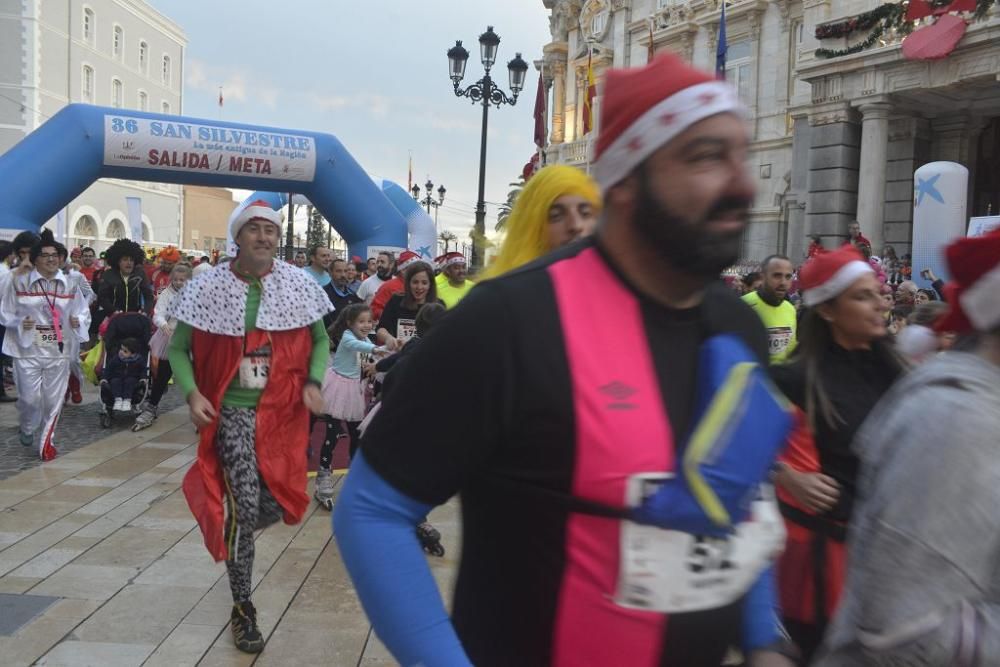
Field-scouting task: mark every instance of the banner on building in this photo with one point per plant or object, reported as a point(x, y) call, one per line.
point(145, 143)
point(981, 226)
point(134, 207)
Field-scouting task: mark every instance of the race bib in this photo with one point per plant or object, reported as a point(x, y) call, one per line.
point(405, 330)
point(673, 572)
point(45, 336)
point(254, 371)
point(779, 338)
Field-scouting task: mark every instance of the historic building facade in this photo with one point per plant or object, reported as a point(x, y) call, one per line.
point(834, 139)
point(116, 53)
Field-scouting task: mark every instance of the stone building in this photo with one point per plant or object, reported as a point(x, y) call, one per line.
point(117, 53)
point(834, 139)
point(206, 218)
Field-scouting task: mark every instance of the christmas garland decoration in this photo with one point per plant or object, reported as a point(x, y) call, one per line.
point(891, 15)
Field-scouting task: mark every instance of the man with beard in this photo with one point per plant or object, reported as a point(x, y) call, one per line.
point(160, 279)
point(776, 312)
point(452, 285)
point(582, 376)
point(385, 268)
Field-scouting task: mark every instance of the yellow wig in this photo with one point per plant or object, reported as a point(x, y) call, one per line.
point(527, 236)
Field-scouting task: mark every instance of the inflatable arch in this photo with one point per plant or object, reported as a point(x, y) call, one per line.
point(82, 143)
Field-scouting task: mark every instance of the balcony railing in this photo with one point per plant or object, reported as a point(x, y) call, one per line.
point(573, 153)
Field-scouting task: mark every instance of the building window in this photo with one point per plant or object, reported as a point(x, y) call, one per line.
point(117, 93)
point(165, 75)
point(165, 107)
point(738, 69)
point(117, 42)
point(599, 23)
point(88, 25)
point(143, 57)
point(143, 101)
point(88, 84)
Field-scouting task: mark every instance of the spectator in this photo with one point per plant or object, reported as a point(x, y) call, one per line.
point(815, 246)
point(857, 239)
point(906, 293)
point(751, 282)
point(371, 267)
point(898, 317)
point(300, 259)
point(340, 295)
point(924, 296)
point(354, 269)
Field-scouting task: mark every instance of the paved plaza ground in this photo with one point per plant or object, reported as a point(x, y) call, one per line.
point(102, 564)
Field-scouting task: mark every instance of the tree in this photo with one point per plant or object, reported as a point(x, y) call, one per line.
point(505, 209)
point(316, 235)
point(447, 238)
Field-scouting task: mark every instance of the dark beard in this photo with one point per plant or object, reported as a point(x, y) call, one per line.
point(383, 275)
point(685, 245)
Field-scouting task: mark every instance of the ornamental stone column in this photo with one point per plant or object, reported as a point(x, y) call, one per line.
point(873, 165)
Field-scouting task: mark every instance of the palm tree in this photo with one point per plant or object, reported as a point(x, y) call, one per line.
point(447, 238)
point(504, 213)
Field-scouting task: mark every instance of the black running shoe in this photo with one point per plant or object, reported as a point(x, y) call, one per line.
point(246, 634)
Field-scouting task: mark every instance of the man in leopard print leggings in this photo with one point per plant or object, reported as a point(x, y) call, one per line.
point(249, 352)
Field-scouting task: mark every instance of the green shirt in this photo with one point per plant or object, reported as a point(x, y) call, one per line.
point(452, 295)
point(780, 321)
point(236, 396)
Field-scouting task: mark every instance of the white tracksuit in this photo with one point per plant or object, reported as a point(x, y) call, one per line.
point(41, 369)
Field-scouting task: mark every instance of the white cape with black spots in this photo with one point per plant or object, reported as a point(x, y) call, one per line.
point(216, 301)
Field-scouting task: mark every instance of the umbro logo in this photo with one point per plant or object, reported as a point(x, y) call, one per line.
point(619, 393)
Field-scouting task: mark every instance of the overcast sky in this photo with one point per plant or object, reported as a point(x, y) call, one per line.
point(374, 74)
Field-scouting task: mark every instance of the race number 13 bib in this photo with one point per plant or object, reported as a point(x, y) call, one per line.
point(672, 572)
point(45, 336)
point(254, 371)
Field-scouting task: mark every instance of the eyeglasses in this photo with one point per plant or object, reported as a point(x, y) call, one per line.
point(48, 255)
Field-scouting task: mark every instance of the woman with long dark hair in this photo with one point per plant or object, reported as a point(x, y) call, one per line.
point(841, 368)
point(398, 322)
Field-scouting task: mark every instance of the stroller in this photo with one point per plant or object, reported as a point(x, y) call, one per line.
point(120, 327)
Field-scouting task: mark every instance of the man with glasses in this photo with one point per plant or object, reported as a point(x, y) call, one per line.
point(46, 316)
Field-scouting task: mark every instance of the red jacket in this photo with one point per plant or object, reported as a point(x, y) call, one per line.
point(390, 287)
point(282, 426)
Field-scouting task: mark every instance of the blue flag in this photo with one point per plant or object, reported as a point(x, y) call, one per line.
point(722, 48)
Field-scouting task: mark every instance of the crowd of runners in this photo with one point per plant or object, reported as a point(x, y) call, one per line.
point(657, 466)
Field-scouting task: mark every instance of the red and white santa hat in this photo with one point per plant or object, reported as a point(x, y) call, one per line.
point(974, 293)
point(827, 275)
point(405, 259)
point(645, 107)
point(449, 259)
point(258, 210)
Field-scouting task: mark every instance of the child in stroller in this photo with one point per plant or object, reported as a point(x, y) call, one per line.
point(133, 331)
point(123, 372)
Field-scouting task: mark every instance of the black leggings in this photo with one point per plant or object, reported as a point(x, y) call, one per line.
point(334, 432)
point(163, 374)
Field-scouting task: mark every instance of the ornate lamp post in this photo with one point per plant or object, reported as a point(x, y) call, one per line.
point(428, 201)
point(484, 91)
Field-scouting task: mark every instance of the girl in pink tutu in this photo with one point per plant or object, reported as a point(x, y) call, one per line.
point(343, 391)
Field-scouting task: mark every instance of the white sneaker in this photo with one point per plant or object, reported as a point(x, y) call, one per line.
point(126, 405)
point(118, 404)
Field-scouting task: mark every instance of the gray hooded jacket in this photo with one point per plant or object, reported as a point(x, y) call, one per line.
point(923, 585)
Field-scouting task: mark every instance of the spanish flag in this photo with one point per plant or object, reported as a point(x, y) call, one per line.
point(588, 105)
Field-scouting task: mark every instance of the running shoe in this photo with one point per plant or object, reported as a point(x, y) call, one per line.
point(118, 405)
point(126, 405)
point(26, 438)
point(246, 634)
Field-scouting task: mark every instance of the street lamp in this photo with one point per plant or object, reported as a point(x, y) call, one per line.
point(428, 201)
point(485, 91)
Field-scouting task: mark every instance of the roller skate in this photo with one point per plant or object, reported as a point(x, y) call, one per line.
point(146, 417)
point(430, 539)
point(324, 489)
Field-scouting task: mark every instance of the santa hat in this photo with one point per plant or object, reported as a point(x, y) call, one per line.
point(406, 258)
point(258, 210)
point(974, 293)
point(448, 259)
point(645, 107)
point(826, 276)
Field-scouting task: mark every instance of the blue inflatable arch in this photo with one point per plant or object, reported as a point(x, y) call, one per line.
point(82, 143)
